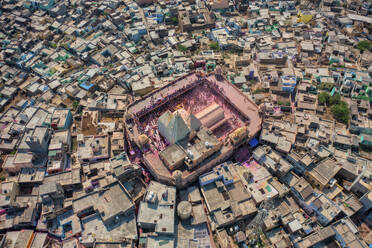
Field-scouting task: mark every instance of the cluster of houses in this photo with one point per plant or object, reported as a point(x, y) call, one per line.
point(70, 177)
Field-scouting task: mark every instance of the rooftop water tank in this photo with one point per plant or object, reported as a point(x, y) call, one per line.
point(184, 210)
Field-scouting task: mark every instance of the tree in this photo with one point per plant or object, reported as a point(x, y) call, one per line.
point(214, 46)
point(341, 112)
point(334, 100)
point(326, 86)
point(75, 104)
point(259, 90)
point(284, 103)
point(181, 48)
point(323, 98)
point(175, 20)
point(364, 45)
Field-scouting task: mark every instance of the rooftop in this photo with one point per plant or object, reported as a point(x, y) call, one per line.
point(157, 210)
point(325, 170)
point(31, 175)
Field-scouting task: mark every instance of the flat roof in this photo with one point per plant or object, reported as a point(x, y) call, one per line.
point(161, 216)
point(31, 175)
point(172, 154)
point(317, 237)
point(95, 230)
point(113, 201)
point(109, 202)
point(160, 241)
point(19, 238)
point(161, 212)
point(213, 198)
point(39, 240)
point(360, 18)
point(325, 170)
point(65, 178)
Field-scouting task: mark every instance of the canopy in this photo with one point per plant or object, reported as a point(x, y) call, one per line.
point(253, 143)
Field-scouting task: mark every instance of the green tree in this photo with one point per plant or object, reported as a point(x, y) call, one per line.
point(326, 86)
point(284, 103)
point(181, 48)
point(175, 20)
point(364, 45)
point(259, 90)
point(334, 100)
point(323, 98)
point(341, 112)
point(75, 104)
point(214, 46)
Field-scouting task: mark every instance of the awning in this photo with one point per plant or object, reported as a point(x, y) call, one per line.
point(52, 153)
point(253, 143)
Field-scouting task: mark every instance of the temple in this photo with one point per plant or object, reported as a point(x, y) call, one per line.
point(185, 128)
